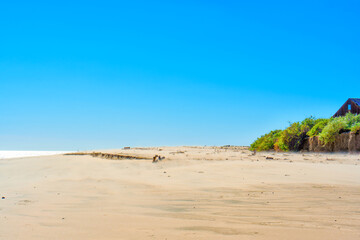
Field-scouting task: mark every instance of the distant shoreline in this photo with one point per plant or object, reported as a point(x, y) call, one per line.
point(19, 154)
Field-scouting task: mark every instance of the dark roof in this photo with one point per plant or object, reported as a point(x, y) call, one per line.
point(356, 100)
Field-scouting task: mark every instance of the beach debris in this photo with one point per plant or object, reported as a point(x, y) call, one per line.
point(157, 158)
point(2, 197)
point(269, 158)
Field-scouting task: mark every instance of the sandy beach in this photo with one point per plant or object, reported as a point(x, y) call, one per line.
point(194, 193)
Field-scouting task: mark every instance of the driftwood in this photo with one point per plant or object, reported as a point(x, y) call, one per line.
point(157, 158)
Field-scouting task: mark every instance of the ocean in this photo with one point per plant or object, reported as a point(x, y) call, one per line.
point(18, 154)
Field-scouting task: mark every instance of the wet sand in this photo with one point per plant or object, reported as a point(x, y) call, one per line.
point(195, 193)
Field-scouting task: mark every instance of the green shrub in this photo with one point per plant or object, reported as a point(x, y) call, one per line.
point(308, 123)
point(289, 137)
point(332, 129)
point(351, 120)
point(355, 128)
point(265, 142)
point(318, 127)
point(292, 138)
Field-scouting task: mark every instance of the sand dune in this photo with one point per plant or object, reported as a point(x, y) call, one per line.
point(195, 193)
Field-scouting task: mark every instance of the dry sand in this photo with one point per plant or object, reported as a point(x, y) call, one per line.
point(195, 193)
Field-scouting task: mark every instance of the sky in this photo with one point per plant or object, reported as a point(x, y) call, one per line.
point(79, 75)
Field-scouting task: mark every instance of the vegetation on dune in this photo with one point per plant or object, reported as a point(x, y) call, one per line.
point(292, 138)
point(355, 128)
point(318, 127)
point(339, 125)
point(266, 142)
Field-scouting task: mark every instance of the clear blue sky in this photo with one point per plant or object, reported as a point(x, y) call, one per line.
point(107, 74)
